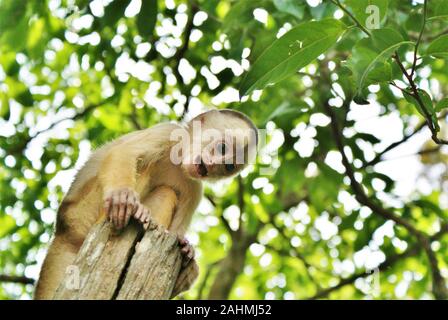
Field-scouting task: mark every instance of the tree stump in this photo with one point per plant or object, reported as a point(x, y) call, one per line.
point(131, 265)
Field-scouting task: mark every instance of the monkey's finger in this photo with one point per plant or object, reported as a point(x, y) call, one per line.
point(116, 210)
point(191, 253)
point(183, 242)
point(128, 217)
point(185, 250)
point(136, 207)
point(129, 209)
point(138, 213)
point(114, 214)
point(122, 210)
point(106, 206)
point(145, 216)
point(146, 219)
point(187, 256)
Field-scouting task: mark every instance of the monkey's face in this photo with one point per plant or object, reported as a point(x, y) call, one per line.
point(217, 159)
point(222, 146)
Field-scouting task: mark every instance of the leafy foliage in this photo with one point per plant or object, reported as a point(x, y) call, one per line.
point(338, 102)
point(296, 49)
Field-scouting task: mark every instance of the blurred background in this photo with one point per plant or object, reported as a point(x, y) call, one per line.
point(299, 224)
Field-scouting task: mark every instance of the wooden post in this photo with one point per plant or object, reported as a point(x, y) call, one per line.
point(131, 265)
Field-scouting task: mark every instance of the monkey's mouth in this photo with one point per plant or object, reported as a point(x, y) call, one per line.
point(201, 169)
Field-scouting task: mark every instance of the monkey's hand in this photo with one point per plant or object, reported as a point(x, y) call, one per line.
point(120, 205)
point(189, 270)
point(187, 251)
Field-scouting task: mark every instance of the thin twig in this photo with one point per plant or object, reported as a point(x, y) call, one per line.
point(221, 216)
point(415, 94)
point(414, 64)
point(16, 279)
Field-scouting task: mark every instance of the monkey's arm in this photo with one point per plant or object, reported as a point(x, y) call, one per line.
point(119, 167)
point(117, 177)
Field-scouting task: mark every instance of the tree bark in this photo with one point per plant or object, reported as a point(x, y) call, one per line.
point(159, 255)
point(130, 265)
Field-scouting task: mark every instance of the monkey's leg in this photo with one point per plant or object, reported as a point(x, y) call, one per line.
point(61, 254)
point(161, 203)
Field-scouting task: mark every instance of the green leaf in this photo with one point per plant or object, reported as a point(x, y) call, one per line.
point(284, 109)
point(360, 100)
point(240, 13)
point(291, 52)
point(7, 224)
point(385, 178)
point(439, 47)
point(362, 10)
point(432, 207)
point(147, 18)
point(368, 60)
point(36, 40)
point(367, 137)
point(293, 7)
point(5, 111)
point(442, 104)
point(438, 9)
point(427, 102)
point(426, 99)
point(15, 38)
point(11, 11)
point(115, 11)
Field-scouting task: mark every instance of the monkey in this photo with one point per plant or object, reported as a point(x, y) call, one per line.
point(155, 173)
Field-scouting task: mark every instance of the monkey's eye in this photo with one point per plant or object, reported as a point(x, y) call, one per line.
point(221, 148)
point(230, 167)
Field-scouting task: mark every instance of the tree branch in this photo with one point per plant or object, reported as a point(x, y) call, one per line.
point(412, 251)
point(439, 288)
point(415, 94)
point(134, 119)
point(16, 279)
point(204, 281)
point(241, 203)
point(378, 157)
